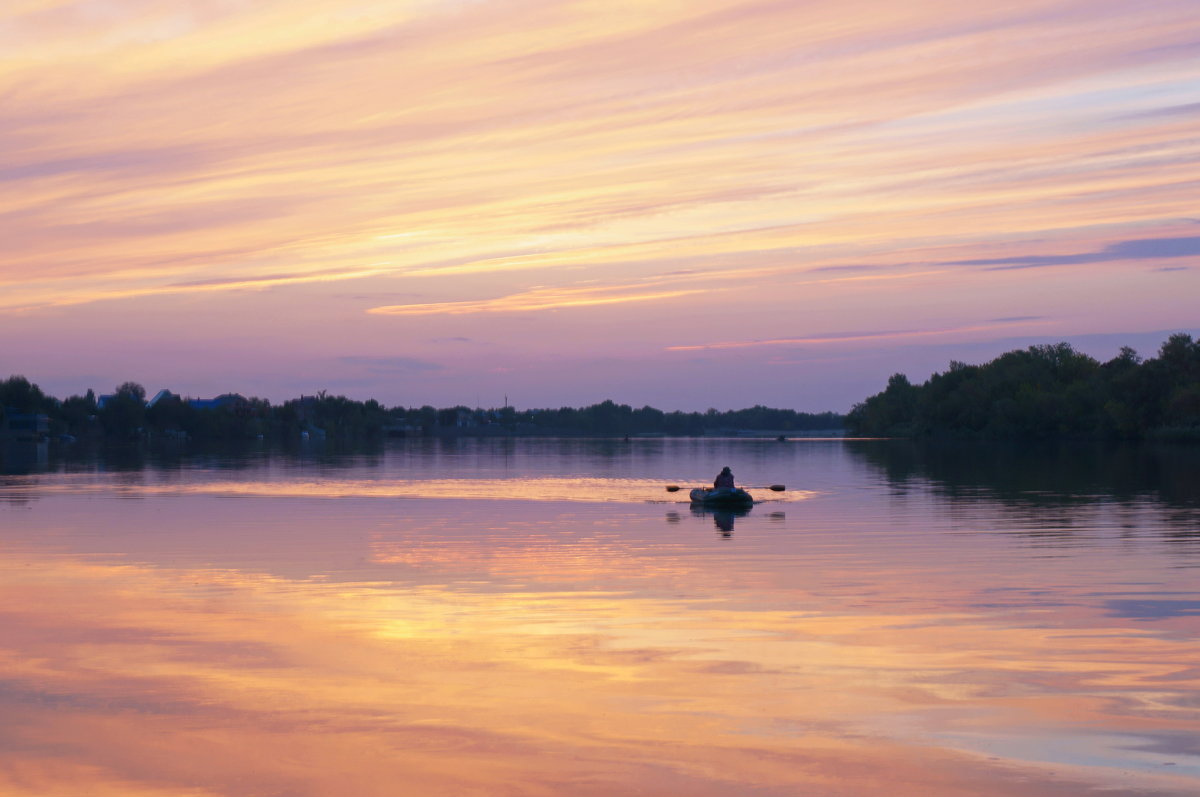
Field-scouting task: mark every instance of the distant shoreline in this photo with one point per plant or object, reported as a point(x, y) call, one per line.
point(127, 414)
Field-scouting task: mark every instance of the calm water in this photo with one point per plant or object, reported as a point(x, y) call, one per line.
point(538, 617)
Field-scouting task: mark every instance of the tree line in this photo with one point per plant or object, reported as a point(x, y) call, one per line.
point(610, 418)
point(126, 414)
point(1046, 391)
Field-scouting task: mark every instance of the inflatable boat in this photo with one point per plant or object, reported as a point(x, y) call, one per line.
point(724, 498)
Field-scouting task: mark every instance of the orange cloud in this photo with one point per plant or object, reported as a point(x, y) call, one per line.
point(538, 299)
point(218, 284)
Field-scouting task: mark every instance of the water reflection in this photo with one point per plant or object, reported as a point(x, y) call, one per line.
point(1041, 473)
point(879, 632)
point(517, 469)
point(1053, 494)
point(21, 456)
point(723, 519)
point(89, 456)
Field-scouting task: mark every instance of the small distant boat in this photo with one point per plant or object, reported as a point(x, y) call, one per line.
point(724, 498)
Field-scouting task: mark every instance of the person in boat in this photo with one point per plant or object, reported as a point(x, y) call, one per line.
point(724, 480)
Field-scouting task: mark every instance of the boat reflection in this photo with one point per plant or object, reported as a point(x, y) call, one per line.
point(723, 519)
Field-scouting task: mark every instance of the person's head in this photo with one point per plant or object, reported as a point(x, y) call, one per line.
point(726, 469)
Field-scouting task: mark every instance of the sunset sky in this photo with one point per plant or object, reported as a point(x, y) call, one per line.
point(689, 204)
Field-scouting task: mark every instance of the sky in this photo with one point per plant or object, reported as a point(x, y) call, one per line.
point(681, 203)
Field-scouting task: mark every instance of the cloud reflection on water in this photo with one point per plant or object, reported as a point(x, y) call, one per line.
point(525, 648)
point(283, 627)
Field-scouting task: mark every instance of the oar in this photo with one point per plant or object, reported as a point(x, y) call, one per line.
point(776, 488)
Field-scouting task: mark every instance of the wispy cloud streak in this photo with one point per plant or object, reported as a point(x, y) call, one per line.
point(855, 337)
point(67, 298)
point(1140, 249)
point(539, 299)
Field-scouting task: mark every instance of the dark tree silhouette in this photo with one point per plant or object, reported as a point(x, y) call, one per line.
point(1046, 391)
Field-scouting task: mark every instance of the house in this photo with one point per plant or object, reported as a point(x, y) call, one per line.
point(226, 400)
point(162, 395)
point(24, 425)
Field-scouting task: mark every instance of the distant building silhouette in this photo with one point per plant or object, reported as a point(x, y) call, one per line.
point(24, 425)
point(231, 400)
point(162, 395)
